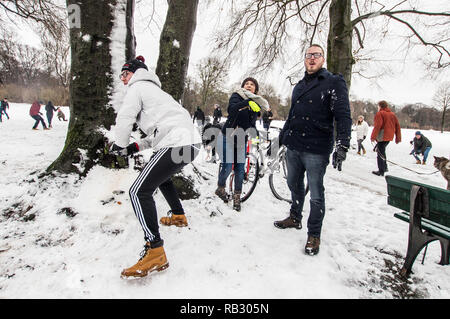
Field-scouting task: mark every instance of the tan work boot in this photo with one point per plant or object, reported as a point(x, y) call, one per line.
point(151, 260)
point(237, 201)
point(359, 153)
point(173, 219)
point(220, 191)
point(364, 152)
point(418, 162)
point(424, 163)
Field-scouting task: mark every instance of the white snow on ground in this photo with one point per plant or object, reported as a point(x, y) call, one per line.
point(48, 254)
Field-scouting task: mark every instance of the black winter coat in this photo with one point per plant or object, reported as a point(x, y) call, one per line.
point(49, 108)
point(199, 115)
point(217, 113)
point(239, 115)
point(421, 144)
point(315, 105)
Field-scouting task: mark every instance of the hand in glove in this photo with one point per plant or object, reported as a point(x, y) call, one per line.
point(253, 106)
point(339, 156)
point(364, 137)
point(124, 151)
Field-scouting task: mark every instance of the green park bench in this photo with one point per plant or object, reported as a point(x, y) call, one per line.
point(427, 210)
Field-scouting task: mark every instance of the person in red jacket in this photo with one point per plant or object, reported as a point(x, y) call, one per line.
point(36, 115)
point(385, 126)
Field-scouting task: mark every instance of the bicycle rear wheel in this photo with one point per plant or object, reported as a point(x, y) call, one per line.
point(251, 177)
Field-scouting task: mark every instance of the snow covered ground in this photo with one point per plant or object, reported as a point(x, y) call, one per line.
point(48, 252)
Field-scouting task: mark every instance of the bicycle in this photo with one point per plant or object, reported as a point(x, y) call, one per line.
point(257, 165)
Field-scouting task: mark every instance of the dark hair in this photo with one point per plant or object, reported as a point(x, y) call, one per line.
point(254, 81)
point(318, 46)
point(383, 104)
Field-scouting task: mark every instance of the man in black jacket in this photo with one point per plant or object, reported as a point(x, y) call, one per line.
point(422, 145)
point(200, 117)
point(318, 100)
point(217, 115)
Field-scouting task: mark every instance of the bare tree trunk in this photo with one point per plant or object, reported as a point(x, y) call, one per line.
point(175, 46)
point(339, 48)
point(90, 85)
point(130, 52)
point(174, 50)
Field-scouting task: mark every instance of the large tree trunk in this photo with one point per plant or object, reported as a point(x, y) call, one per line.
point(91, 83)
point(174, 50)
point(175, 46)
point(339, 48)
point(130, 52)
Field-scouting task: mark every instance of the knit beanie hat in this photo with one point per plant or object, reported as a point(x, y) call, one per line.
point(254, 81)
point(135, 64)
point(418, 133)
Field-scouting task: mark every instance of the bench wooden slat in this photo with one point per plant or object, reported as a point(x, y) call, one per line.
point(428, 225)
point(399, 191)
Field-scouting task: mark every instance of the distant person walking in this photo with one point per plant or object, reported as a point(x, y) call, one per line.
point(49, 109)
point(3, 106)
point(217, 115)
point(422, 145)
point(386, 125)
point(36, 115)
point(362, 128)
point(267, 118)
point(200, 117)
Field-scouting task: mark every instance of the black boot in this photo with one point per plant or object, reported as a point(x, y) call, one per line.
point(378, 173)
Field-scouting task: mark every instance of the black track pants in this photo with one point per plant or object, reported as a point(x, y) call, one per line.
point(157, 173)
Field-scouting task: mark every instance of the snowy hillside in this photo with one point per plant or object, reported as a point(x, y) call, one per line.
point(50, 251)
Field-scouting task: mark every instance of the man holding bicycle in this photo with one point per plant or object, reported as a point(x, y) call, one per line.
point(318, 100)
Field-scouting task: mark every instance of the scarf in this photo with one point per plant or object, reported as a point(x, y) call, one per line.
point(262, 102)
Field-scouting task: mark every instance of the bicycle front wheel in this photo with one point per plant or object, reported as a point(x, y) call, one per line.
point(251, 177)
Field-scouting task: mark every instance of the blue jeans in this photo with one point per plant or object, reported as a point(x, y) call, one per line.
point(425, 154)
point(314, 165)
point(231, 154)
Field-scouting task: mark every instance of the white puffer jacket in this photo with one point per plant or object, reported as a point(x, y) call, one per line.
point(166, 122)
point(362, 130)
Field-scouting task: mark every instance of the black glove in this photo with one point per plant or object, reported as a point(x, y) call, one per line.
point(132, 148)
point(364, 137)
point(124, 151)
point(339, 156)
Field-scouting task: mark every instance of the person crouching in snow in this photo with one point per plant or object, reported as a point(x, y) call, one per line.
point(176, 143)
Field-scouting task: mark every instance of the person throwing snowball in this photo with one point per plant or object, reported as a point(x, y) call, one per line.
point(176, 142)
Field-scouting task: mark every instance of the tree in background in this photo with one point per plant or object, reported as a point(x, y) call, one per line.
point(175, 46)
point(294, 24)
point(212, 73)
point(442, 102)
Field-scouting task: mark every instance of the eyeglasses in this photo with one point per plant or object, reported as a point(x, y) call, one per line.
point(124, 74)
point(316, 55)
